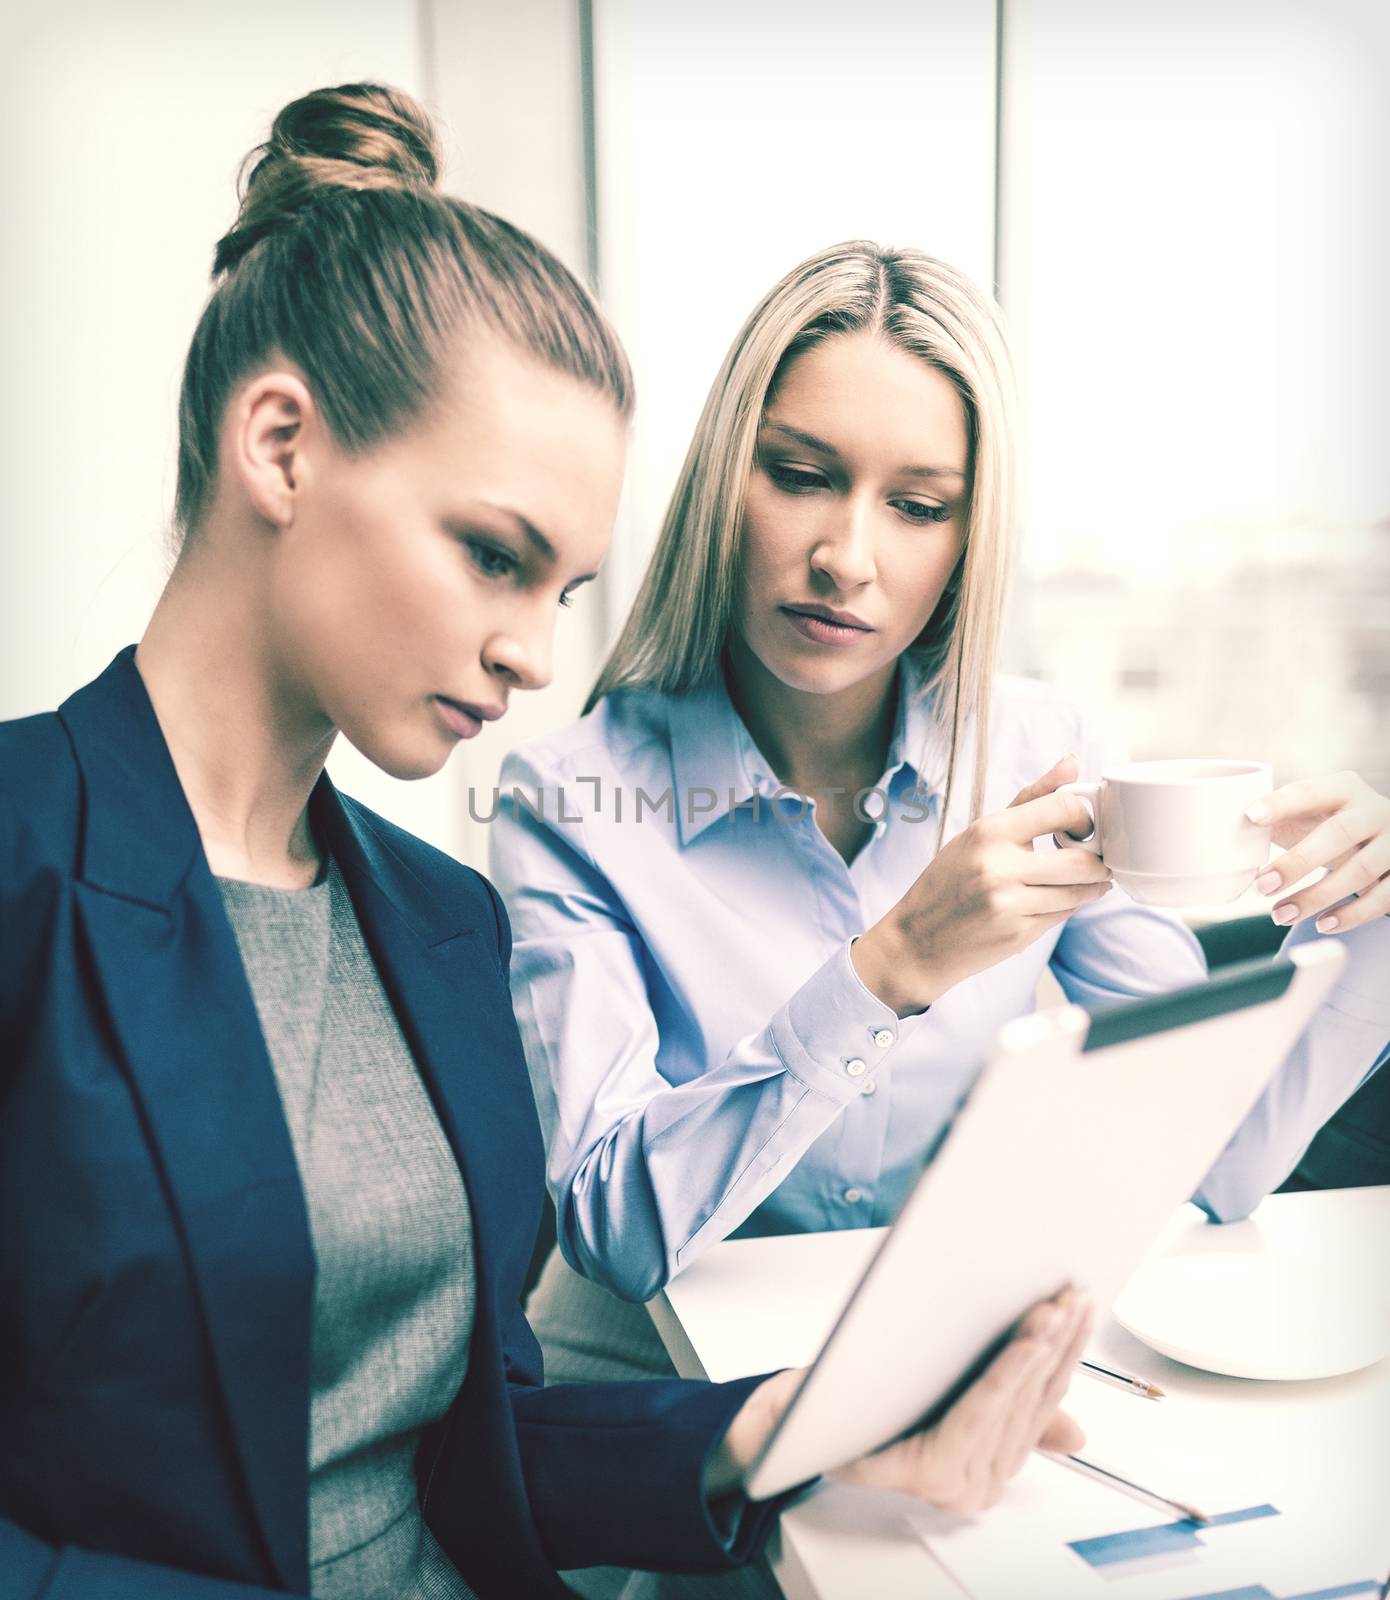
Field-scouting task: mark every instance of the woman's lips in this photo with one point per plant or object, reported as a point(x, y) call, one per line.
point(459, 722)
point(820, 630)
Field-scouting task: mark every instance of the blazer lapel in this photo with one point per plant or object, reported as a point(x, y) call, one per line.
point(185, 1023)
point(453, 1004)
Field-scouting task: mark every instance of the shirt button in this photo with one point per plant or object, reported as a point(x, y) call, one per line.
point(883, 1037)
point(853, 1196)
point(870, 1086)
point(855, 1067)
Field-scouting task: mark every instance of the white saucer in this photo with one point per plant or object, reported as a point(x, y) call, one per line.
point(1258, 1316)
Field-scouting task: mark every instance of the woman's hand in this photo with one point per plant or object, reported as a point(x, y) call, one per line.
point(985, 897)
point(963, 1460)
point(1340, 823)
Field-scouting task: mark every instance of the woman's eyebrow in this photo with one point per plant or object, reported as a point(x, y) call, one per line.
point(802, 437)
point(811, 442)
point(536, 539)
point(534, 536)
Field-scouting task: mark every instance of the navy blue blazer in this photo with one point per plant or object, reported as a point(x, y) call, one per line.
point(156, 1268)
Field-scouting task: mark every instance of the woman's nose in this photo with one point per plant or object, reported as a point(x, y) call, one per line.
point(524, 663)
point(845, 552)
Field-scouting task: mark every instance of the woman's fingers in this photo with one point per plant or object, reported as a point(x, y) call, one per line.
point(1361, 874)
point(1292, 810)
point(1060, 772)
point(1340, 834)
point(963, 1461)
point(1339, 823)
point(1063, 866)
point(1063, 1435)
point(1040, 924)
point(1031, 1423)
point(977, 1435)
point(1081, 1335)
point(984, 1439)
point(1036, 900)
point(1083, 1320)
point(1364, 908)
point(1026, 1419)
point(1026, 820)
point(950, 1464)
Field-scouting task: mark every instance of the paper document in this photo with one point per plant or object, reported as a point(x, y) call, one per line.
point(1057, 1535)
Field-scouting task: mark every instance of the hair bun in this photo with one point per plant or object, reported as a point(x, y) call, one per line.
point(357, 136)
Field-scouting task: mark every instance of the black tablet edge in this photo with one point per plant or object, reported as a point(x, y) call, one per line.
point(1247, 983)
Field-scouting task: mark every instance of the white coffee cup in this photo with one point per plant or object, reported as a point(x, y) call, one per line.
point(1175, 833)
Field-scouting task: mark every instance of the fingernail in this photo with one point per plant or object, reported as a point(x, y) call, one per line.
point(1284, 914)
point(1267, 882)
point(1257, 813)
point(1328, 924)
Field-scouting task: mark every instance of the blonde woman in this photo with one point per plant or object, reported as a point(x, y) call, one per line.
point(774, 894)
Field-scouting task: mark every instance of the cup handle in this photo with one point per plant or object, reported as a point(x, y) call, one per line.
point(1089, 796)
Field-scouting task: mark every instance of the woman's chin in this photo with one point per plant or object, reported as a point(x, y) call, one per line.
point(822, 674)
point(403, 758)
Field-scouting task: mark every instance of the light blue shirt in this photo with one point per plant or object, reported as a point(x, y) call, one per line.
point(705, 1058)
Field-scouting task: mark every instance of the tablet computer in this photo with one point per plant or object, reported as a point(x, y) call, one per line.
point(1081, 1136)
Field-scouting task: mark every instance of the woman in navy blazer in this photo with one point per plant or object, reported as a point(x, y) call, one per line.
point(401, 438)
point(155, 1265)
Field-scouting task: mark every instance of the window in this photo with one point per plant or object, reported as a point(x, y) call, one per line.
point(1193, 259)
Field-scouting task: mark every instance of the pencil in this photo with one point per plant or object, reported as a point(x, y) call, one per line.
point(1093, 1469)
point(1122, 1380)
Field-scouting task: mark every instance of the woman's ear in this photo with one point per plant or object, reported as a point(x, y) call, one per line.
point(267, 428)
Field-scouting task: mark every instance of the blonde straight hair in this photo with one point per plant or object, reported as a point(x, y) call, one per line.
point(674, 637)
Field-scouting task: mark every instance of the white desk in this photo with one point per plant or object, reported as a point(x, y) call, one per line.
point(758, 1304)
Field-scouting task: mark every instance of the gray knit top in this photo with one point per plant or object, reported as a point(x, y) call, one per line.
point(392, 1237)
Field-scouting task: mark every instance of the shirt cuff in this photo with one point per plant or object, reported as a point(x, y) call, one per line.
point(1363, 991)
point(833, 1034)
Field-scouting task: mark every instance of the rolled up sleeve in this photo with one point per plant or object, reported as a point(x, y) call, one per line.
point(1347, 1040)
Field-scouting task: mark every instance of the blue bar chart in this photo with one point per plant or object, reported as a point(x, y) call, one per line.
point(1257, 1591)
point(1184, 1537)
point(1117, 1555)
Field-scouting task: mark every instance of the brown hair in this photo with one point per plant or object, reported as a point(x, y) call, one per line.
point(347, 261)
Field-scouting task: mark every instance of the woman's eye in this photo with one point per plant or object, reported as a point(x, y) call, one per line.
point(923, 511)
point(490, 559)
point(566, 599)
point(796, 480)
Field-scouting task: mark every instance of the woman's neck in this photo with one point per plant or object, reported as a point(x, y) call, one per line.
point(247, 750)
point(814, 742)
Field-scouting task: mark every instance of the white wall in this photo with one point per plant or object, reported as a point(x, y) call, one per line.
point(123, 127)
point(1194, 254)
point(737, 137)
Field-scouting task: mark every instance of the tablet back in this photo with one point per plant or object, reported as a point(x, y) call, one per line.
point(1080, 1138)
